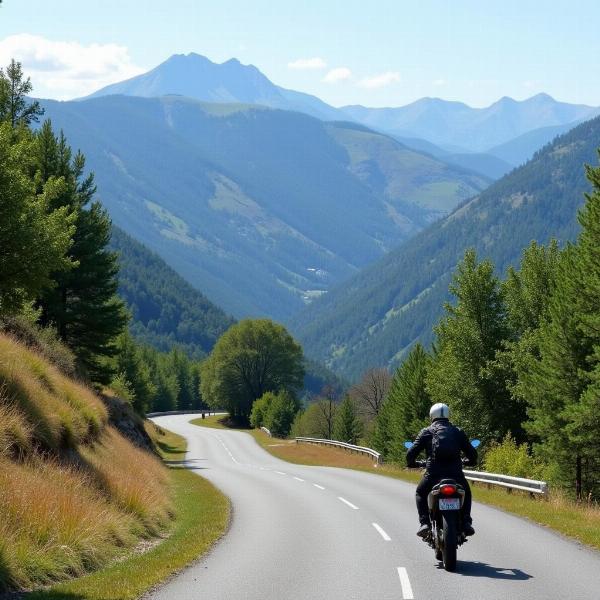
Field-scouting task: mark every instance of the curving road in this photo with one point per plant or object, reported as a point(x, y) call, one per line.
point(325, 533)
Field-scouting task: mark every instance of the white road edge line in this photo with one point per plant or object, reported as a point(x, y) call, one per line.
point(280, 473)
point(318, 486)
point(348, 503)
point(298, 479)
point(407, 592)
point(381, 532)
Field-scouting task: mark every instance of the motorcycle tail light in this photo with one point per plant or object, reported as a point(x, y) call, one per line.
point(447, 490)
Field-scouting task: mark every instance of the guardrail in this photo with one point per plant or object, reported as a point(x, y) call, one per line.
point(266, 431)
point(507, 481)
point(183, 412)
point(358, 449)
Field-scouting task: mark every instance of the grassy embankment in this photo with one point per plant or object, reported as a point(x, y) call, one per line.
point(72, 499)
point(580, 522)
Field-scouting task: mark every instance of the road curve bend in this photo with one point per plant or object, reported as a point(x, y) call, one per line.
point(302, 533)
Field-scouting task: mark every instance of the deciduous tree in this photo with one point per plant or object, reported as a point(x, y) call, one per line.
point(251, 358)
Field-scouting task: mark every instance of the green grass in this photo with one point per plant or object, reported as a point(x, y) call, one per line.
point(202, 517)
point(580, 522)
point(213, 421)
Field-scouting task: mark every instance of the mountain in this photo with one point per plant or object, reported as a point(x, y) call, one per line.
point(520, 149)
point(261, 209)
point(375, 317)
point(165, 309)
point(455, 126)
point(462, 131)
point(195, 76)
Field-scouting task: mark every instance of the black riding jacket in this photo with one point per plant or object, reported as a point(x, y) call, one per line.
point(424, 442)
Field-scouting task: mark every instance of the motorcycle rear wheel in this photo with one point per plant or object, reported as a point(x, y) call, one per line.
point(450, 533)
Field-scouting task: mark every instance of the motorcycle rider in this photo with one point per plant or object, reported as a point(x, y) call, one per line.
point(443, 443)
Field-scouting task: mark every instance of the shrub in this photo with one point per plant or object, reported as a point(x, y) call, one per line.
point(260, 408)
point(280, 414)
point(122, 388)
point(276, 412)
point(510, 458)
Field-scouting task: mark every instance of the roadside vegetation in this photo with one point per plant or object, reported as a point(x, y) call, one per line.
point(202, 517)
point(71, 497)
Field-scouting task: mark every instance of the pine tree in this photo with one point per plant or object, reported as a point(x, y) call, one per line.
point(406, 408)
point(347, 426)
point(563, 384)
point(82, 305)
point(136, 372)
point(468, 339)
point(15, 108)
point(34, 236)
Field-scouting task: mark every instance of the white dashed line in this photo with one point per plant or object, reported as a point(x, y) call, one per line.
point(280, 473)
point(381, 532)
point(348, 503)
point(318, 486)
point(298, 479)
point(407, 592)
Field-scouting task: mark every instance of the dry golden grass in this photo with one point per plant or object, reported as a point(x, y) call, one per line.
point(135, 479)
point(61, 412)
point(55, 523)
point(74, 493)
point(311, 454)
point(15, 431)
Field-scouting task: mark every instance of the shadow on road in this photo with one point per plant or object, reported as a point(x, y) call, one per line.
point(190, 464)
point(480, 569)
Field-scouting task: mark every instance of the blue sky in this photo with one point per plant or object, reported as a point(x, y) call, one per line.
point(376, 53)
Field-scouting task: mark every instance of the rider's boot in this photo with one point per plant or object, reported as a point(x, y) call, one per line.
point(424, 530)
point(468, 528)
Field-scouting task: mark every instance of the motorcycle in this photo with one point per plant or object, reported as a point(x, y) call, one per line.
point(445, 502)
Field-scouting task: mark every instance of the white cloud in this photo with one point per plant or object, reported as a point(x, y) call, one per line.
point(312, 64)
point(65, 70)
point(439, 82)
point(381, 80)
point(337, 74)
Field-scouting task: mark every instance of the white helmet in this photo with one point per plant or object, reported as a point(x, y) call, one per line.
point(439, 411)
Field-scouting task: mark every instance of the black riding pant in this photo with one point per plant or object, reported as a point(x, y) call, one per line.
point(425, 486)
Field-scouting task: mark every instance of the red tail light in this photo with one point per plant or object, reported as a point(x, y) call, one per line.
point(447, 490)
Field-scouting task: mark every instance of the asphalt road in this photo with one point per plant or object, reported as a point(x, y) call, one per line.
point(325, 533)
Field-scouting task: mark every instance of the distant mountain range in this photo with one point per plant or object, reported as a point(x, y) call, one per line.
point(457, 127)
point(375, 317)
point(261, 209)
point(451, 131)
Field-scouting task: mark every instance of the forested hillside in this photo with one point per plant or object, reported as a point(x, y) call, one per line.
point(374, 318)
point(166, 310)
point(261, 209)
